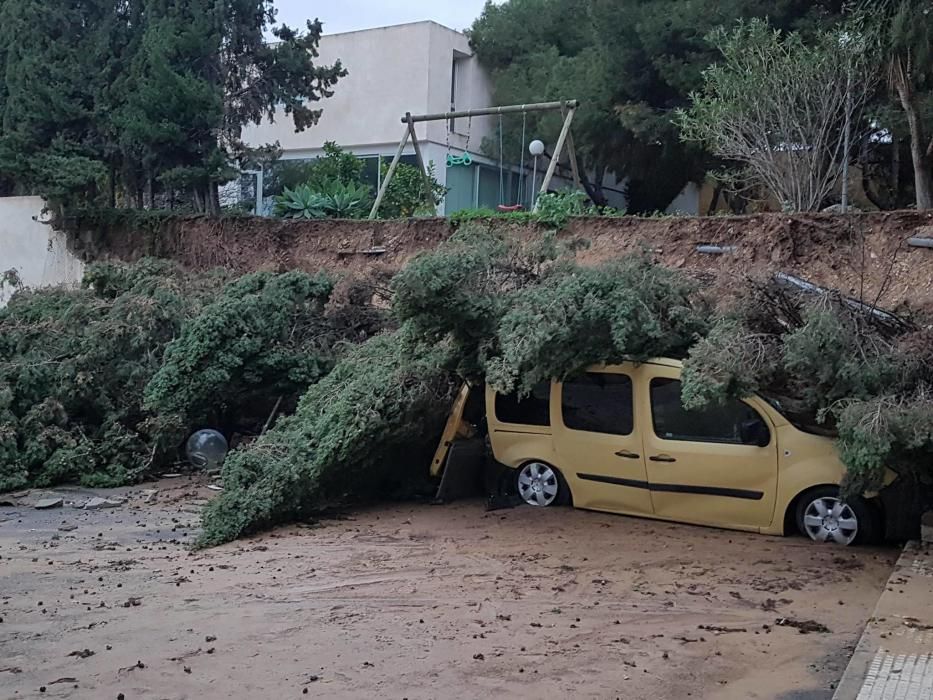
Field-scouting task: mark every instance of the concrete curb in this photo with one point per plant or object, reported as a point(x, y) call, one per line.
point(894, 657)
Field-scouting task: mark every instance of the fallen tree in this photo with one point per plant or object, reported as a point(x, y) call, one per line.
point(101, 385)
point(516, 313)
point(832, 364)
point(364, 430)
point(73, 367)
point(484, 307)
point(487, 307)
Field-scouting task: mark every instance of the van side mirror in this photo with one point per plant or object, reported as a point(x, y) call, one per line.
point(754, 432)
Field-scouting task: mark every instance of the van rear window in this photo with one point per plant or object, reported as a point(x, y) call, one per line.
point(533, 409)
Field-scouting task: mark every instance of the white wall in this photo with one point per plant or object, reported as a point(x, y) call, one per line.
point(38, 254)
point(386, 71)
point(687, 203)
point(392, 70)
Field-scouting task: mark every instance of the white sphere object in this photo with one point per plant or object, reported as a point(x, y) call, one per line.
point(536, 147)
point(206, 449)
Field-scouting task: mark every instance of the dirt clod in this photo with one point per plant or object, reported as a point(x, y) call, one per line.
point(802, 626)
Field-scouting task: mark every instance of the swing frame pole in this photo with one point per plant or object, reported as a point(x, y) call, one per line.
point(566, 107)
point(486, 111)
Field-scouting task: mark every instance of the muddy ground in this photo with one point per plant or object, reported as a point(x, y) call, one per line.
point(418, 601)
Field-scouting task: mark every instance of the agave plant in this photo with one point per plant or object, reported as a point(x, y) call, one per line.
point(301, 203)
point(345, 201)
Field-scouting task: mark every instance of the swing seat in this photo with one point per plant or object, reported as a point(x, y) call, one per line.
point(505, 209)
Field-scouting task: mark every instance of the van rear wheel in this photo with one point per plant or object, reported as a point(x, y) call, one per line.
point(541, 485)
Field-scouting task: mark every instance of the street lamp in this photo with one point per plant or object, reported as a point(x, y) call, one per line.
point(851, 44)
point(535, 148)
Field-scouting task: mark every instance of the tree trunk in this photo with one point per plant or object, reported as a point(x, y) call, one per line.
point(923, 180)
point(919, 151)
point(594, 190)
point(714, 202)
point(198, 199)
point(112, 188)
point(213, 193)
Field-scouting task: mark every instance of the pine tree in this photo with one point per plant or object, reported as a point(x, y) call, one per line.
point(107, 100)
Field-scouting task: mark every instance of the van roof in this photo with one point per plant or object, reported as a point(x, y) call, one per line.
point(662, 361)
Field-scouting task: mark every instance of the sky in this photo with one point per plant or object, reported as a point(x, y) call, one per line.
point(350, 15)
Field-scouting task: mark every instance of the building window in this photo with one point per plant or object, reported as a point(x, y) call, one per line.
point(459, 91)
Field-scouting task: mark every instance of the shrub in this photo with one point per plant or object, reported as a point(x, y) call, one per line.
point(336, 165)
point(405, 197)
point(263, 338)
point(301, 203)
point(73, 366)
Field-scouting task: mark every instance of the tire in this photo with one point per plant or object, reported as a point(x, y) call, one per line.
point(822, 516)
point(541, 485)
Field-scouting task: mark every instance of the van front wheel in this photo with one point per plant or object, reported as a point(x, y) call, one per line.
point(824, 517)
point(540, 485)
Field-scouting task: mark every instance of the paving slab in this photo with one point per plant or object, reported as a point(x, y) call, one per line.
point(894, 657)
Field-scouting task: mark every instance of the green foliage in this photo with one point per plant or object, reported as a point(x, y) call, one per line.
point(555, 209)
point(333, 199)
point(633, 309)
point(515, 313)
point(106, 101)
point(264, 337)
point(336, 165)
point(301, 203)
point(731, 361)
point(630, 63)
point(886, 431)
point(101, 385)
point(908, 42)
point(775, 103)
point(345, 200)
point(831, 366)
point(73, 366)
point(465, 216)
point(356, 434)
point(405, 194)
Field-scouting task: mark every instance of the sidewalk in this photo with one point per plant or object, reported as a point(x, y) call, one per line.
point(894, 657)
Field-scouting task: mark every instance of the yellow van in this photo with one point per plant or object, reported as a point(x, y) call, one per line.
point(617, 439)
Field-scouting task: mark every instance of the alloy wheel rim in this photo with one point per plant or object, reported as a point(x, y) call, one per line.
point(828, 519)
point(537, 484)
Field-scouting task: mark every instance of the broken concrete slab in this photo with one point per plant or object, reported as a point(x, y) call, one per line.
point(97, 503)
point(47, 503)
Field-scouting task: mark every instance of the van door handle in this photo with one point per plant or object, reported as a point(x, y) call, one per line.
point(662, 458)
point(627, 454)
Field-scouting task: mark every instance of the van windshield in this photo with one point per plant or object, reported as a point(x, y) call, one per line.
point(805, 421)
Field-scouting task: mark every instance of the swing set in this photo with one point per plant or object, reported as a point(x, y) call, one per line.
point(566, 107)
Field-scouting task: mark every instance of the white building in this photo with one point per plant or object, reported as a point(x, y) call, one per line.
point(422, 68)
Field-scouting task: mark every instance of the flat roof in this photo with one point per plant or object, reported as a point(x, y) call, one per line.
point(393, 26)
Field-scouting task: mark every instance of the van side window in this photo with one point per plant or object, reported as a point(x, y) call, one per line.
point(598, 403)
point(715, 424)
point(534, 409)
